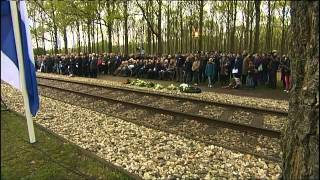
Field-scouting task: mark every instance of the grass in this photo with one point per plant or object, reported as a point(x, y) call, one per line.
point(48, 158)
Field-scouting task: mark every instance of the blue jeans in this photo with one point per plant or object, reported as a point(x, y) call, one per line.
point(209, 79)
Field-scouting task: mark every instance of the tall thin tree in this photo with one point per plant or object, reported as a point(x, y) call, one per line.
point(257, 27)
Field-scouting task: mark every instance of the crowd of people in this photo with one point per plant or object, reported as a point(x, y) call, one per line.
point(231, 70)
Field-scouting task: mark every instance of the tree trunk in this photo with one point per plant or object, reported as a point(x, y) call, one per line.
point(52, 41)
point(43, 39)
point(251, 34)
point(35, 32)
point(55, 29)
point(211, 35)
point(191, 39)
point(232, 38)
point(242, 34)
point(97, 38)
point(301, 136)
point(126, 50)
point(102, 37)
point(283, 27)
point(109, 27)
point(118, 38)
point(65, 40)
point(228, 26)
point(257, 28)
point(78, 37)
point(83, 37)
point(271, 34)
point(181, 31)
point(168, 28)
point(268, 30)
point(89, 37)
point(100, 26)
point(200, 25)
point(159, 37)
point(93, 39)
point(246, 35)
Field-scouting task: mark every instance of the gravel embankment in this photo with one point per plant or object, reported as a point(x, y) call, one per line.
point(146, 152)
point(209, 96)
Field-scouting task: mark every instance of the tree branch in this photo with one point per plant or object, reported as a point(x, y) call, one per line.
point(147, 19)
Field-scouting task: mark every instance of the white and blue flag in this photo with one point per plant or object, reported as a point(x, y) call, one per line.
point(9, 55)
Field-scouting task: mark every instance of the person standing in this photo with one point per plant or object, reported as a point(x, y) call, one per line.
point(180, 61)
point(85, 65)
point(287, 74)
point(195, 70)
point(71, 66)
point(105, 64)
point(203, 64)
point(187, 69)
point(99, 64)
point(273, 67)
point(245, 66)
point(250, 77)
point(281, 67)
point(237, 67)
point(224, 70)
point(209, 71)
point(93, 66)
point(60, 65)
point(179, 67)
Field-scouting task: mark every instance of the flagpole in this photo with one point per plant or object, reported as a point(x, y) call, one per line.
point(17, 37)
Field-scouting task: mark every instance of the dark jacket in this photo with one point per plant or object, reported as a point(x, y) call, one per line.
point(210, 69)
point(93, 63)
point(188, 66)
point(238, 65)
point(286, 67)
point(180, 61)
point(273, 64)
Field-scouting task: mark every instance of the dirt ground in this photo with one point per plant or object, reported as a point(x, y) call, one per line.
point(260, 91)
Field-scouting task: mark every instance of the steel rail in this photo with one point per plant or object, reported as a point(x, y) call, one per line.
point(258, 155)
point(228, 124)
point(139, 91)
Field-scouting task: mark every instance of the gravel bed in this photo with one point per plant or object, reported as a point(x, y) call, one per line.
point(182, 126)
point(275, 122)
point(209, 96)
point(211, 111)
point(241, 117)
point(149, 153)
point(203, 109)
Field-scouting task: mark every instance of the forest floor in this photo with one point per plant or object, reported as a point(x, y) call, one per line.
point(260, 91)
point(48, 158)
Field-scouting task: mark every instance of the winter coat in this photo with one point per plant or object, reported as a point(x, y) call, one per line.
point(93, 64)
point(251, 68)
point(224, 66)
point(245, 65)
point(238, 65)
point(210, 69)
point(273, 64)
point(286, 67)
point(188, 66)
point(196, 65)
point(180, 61)
point(171, 67)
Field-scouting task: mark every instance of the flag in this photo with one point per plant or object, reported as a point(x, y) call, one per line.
point(9, 53)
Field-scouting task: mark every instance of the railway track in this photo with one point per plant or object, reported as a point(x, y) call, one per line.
point(139, 91)
point(226, 115)
point(245, 138)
